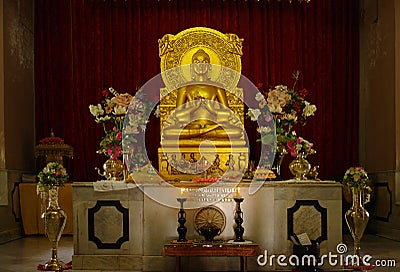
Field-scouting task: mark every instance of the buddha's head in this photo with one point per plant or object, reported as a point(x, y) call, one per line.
point(200, 64)
point(200, 56)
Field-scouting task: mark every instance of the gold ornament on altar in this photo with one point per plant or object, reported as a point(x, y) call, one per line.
point(300, 167)
point(209, 222)
point(201, 108)
point(113, 169)
point(356, 178)
point(300, 148)
point(357, 218)
point(53, 149)
point(51, 178)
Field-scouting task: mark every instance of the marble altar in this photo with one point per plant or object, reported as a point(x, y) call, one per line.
point(119, 227)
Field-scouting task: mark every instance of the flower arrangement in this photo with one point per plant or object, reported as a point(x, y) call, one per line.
point(299, 145)
point(288, 106)
point(111, 112)
point(356, 177)
point(53, 174)
point(52, 139)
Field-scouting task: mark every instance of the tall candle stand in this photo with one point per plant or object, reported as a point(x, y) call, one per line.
point(181, 220)
point(239, 230)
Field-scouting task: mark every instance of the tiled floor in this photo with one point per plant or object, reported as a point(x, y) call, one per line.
point(379, 248)
point(25, 254)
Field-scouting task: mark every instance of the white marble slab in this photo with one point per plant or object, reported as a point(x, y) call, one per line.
point(152, 224)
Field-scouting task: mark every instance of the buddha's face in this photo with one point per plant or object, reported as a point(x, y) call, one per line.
point(201, 63)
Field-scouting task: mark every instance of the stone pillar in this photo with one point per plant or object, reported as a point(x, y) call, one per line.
point(380, 110)
point(17, 136)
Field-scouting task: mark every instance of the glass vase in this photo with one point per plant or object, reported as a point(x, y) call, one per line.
point(357, 218)
point(300, 167)
point(54, 222)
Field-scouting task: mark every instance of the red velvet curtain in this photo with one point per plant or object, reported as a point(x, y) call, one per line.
point(82, 47)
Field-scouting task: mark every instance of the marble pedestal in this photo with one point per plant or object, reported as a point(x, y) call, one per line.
point(126, 230)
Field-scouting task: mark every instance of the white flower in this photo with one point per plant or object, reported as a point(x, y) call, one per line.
point(259, 97)
point(131, 130)
point(275, 108)
point(96, 110)
point(113, 91)
point(103, 119)
point(262, 104)
point(254, 114)
point(281, 88)
point(157, 111)
point(290, 117)
point(143, 127)
point(264, 130)
point(119, 110)
point(309, 109)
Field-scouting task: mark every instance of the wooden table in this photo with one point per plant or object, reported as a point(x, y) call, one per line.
point(243, 251)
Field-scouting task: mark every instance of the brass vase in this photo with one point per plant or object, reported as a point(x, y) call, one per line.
point(300, 167)
point(54, 222)
point(113, 169)
point(357, 218)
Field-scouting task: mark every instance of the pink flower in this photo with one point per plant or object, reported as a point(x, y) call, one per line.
point(303, 93)
point(118, 136)
point(268, 118)
point(118, 150)
point(292, 148)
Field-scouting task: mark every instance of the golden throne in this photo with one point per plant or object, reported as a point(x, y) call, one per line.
point(201, 107)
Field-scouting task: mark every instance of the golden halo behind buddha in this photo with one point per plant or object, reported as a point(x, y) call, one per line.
point(224, 50)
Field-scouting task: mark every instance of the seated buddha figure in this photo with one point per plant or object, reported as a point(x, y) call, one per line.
point(202, 110)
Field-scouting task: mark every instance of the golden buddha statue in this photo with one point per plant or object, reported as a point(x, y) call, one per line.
point(201, 107)
point(202, 110)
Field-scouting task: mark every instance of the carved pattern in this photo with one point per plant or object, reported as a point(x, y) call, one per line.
point(235, 44)
point(226, 49)
point(165, 44)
